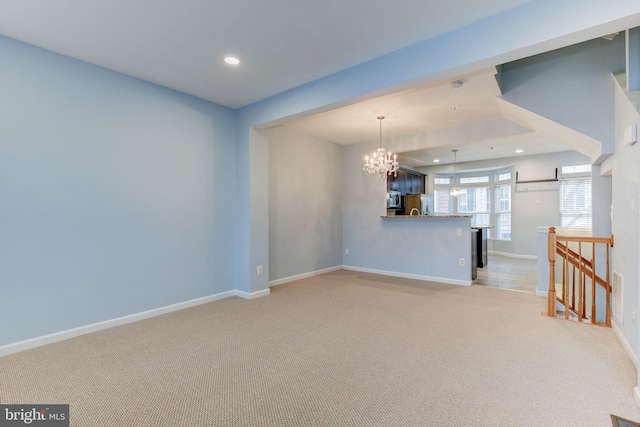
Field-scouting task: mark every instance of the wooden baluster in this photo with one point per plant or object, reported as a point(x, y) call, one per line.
point(608, 308)
point(560, 291)
point(580, 280)
point(565, 286)
point(551, 252)
point(584, 299)
point(573, 289)
point(593, 285)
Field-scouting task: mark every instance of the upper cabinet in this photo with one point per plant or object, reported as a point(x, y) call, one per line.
point(407, 182)
point(396, 183)
point(414, 183)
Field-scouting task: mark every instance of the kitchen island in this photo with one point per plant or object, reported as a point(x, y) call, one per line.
point(425, 247)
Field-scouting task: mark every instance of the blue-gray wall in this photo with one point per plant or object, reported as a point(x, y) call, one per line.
point(571, 86)
point(626, 218)
point(305, 204)
point(116, 194)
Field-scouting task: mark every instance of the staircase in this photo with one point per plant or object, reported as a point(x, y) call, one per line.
point(581, 290)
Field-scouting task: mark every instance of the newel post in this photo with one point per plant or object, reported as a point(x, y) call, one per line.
point(551, 310)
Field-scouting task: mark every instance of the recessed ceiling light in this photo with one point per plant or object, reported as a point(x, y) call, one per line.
point(519, 150)
point(436, 160)
point(232, 60)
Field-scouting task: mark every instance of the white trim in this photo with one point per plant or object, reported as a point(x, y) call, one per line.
point(541, 293)
point(252, 295)
point(636, 395)
point(510, 255)
point(95, 327)
point(632, 355)
point(304, 276)
point(410, 276)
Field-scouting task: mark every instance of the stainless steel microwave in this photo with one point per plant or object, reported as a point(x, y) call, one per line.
point(394, 199)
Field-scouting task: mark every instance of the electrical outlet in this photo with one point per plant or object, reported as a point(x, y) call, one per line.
point(461, 262)
point(459, 231)
point(259, 270)
point(346, 251)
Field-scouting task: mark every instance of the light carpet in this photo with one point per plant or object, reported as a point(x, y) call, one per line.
point(341, 349)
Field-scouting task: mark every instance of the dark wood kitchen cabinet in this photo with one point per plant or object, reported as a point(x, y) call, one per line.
point(414, 183)
point(396, 183)
point(407, 182)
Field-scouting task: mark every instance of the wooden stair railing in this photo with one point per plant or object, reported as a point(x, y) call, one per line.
point(586, 269)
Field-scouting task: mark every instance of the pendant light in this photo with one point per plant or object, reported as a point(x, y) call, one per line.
point(381, 162)
point(455, 190)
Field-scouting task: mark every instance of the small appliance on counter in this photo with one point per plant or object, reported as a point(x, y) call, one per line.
point(426, 204)
point(394, 200)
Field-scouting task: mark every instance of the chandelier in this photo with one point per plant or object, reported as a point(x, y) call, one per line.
point(455, 190)
point(381, 164)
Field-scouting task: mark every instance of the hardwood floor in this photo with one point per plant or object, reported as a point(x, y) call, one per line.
point(508, 273)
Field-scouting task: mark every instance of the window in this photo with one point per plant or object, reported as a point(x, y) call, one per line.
point(441, 199)
point(502, 230)
point(478, 193)
point(503, 177)
point(474, 179)
point(475, 201)
point(575, 202)
point(576, 169)
point(575, 196)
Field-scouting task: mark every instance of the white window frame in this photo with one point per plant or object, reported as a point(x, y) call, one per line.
point(438, 209)
point(491, 179)
point(576, 175)
point(475, 213)
point(499, 214)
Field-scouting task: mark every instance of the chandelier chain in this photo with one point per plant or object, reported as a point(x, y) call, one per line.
point(455, 190)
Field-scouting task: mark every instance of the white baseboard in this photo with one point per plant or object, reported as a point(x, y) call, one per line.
point(304, 276)
point(632, 355)
point(252, 295)
point(510, 255)
point(410, 276)
point(95, 327)
point(543, 294)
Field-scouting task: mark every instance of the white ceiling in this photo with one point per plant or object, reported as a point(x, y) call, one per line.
point(282, 44)
point(461, 113)
point(180, 44)
point(435, 106)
